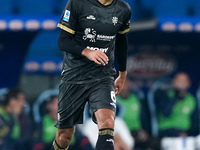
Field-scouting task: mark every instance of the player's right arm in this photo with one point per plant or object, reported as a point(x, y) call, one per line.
point(97, 56)
point(68, 25)
point(67, 44)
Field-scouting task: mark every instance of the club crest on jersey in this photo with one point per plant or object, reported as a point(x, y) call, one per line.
point(114, 20)
point(66, 15)
point(90, 34)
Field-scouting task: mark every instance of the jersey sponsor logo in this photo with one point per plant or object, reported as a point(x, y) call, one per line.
point(66, 15)
point(105, 37)
point(91, 17)
point(114, 20)
point(90, 34)
point(96, 48)
point(110, 140)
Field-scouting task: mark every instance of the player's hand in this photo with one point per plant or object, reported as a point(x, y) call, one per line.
point(119, 82)
point(97, 56)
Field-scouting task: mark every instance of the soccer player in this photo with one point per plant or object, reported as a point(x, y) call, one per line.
point(92, 33)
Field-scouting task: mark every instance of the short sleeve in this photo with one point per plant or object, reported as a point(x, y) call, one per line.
point(68, 20)
point(126, 24)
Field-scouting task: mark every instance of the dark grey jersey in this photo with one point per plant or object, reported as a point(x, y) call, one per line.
point(95, 27)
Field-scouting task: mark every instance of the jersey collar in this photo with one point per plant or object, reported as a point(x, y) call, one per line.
point(113, 2)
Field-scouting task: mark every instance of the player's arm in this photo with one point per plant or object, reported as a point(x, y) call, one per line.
point(68, 25)
point(67, 44)
point(97, 56)
point(121, 48)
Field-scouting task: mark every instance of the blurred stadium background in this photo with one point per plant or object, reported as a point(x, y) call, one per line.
point(164, 39)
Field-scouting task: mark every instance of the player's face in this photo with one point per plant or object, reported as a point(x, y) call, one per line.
point(53, 105)
point(18, 103)
point(182, 82)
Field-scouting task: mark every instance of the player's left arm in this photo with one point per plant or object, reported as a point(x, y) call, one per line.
point(121, 48)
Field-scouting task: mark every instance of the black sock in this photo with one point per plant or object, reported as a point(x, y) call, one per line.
point(105, 140)
point(55, 146)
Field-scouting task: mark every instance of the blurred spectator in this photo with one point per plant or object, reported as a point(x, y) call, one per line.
point(132, 106)
point(46, 127)
point(132, 117)
point(49, 119)
point(46, 130)
point(174, 107)
point(15, 123)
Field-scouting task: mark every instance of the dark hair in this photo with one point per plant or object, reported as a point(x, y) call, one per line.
point(51, 98)
point(43, 108)
point(12, 93)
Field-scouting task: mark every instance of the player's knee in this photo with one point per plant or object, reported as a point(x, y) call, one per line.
point(106, 123)
point(64, 136)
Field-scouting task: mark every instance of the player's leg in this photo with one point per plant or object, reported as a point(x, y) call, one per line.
point(105, 120)
point(63, 139)
point(72, 99)
point(102, 103)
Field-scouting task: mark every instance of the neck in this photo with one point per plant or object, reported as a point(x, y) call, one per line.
point(105, 2)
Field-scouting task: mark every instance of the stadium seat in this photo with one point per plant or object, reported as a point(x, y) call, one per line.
point(140, 9)
point(37, 109)
point(6, 7)
point(45, 45)
point(3, 92)
point(61, 5)
point(196, 7)
point(42, 7)
point(179, 143)
point(170, 7)
point(162, 83)
point(198, 101)
point(148, 3)
point(131, 3)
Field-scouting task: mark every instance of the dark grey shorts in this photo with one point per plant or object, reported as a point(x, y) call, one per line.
point(73, 97)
